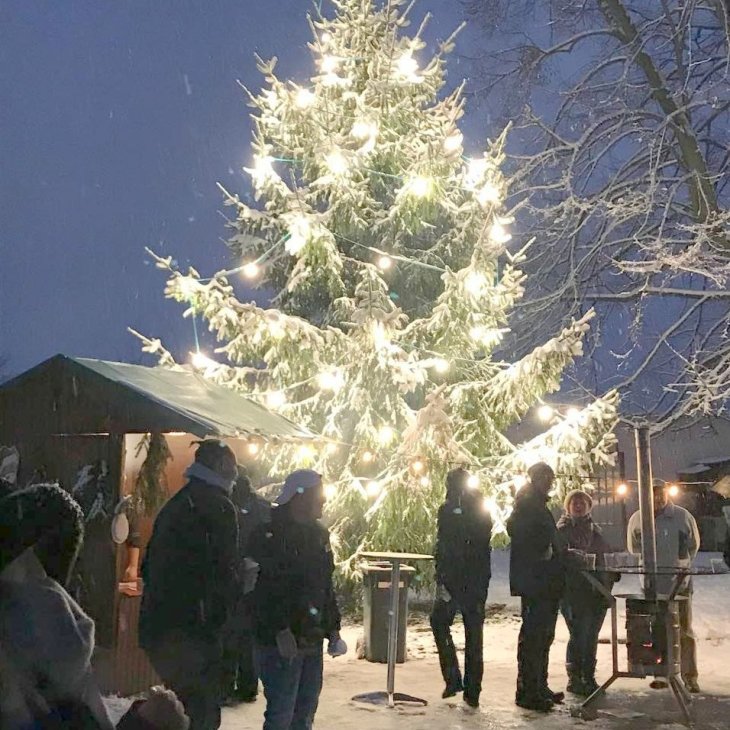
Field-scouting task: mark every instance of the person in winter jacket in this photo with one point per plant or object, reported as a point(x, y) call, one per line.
point(583, 606)
point(46, 640)
point(295, 605)
point(463, 570)
point(677, 544)
point(536, 574)
point(242, 678)
point(190, 583)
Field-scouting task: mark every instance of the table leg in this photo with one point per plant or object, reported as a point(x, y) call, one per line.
point(393, 630)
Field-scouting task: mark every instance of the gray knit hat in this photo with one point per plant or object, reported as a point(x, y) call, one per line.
point(577, 493)
point(46, 518)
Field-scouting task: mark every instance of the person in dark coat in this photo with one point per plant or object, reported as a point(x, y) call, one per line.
point(294, 603)
point(583, 606)
point(536, 575)
point(463, 570)
point(190, 583)
point(242, 678)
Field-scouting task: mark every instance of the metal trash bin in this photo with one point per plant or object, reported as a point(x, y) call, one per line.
point(376, 610)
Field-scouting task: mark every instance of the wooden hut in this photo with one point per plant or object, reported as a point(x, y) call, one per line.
point(82, 423)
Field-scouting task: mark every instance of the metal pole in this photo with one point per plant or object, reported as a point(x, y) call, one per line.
point(646, 511)
point(393, 629)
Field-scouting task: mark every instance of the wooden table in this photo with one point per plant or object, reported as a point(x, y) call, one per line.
point(390, 697)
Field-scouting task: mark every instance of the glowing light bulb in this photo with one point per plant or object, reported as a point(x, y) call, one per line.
point(201, 361)
point(251, 270)
point(331, 380)
point(331, 448)
point(622, 489)
point(386, 435)
point(362, 129)
point(187, 286)
point(330, 492)
point(325, 38)
point(385, 262)
point(420, 186)
point(305, 452)
point(545, 413)
point(380, 336)
point(407, 66)
point(572, 414)
point(473, 481)
point(453, 142)
point(424, 481)
point(673, 490)
point(520, 481)
point(329, 64)
point(373, 488)
point(276, 399)
point(253, 448)
point(498, 233)
point(490, 505)
point(304, 98)
point(475, 282)
point(264, 165)
point(475, 171)
point(417, 466)
point(299, 232)
point(488, 194)
point(368, 456)
point(440, 365)
point(336, 162)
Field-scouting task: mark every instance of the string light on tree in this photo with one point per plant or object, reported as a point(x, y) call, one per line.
point(251, 270)
point(331, 380)
point(331, 449)
point(424, 481)
point(337, 163)
point(262, 171)
point(373, 488)
point(476, 170)
point(330, 491)
point(488, 195)
point(419, 186)
point(454, 142)
point(418, 466)
point(368, 457)
point(572, 415)
point(545, 413)
point(499, 234)
point(276, 399)
point(473, 481)
point(385, 263)
point(440, 365)
point(407, 68)
point(385, 435)
point(201, 361)
point(329, 64)
point(305, 98)
point(300, 231)
point(475, 283)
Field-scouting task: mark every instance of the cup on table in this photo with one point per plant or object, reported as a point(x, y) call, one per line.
point(717, 565)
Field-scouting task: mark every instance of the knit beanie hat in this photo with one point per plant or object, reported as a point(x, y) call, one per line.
point(577, 493)
point(44, 517)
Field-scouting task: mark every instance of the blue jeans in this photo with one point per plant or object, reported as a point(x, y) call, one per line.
point(291, 687)
point(584, 624)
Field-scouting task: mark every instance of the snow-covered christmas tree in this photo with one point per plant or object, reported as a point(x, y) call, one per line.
point(388, 254)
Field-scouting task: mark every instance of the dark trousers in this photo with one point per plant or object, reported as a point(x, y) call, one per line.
point(192, 669)
point(539, 616)
point(241, 680)
point(442, 618)
point(584, 624)
point(291, 687)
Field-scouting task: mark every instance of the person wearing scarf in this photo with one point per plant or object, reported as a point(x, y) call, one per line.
point(583, 606)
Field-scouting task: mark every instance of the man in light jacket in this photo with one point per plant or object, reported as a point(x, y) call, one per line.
point(677, 544)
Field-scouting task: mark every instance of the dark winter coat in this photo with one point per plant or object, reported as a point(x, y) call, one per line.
point(294, 588)
point(585, 535)
point(535, 565)
point(252, 511)
point(463, 551)
point(190, 568)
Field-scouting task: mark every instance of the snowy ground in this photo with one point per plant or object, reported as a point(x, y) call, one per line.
point(629, 704)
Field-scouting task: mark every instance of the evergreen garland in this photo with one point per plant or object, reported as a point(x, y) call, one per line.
point(150, 488)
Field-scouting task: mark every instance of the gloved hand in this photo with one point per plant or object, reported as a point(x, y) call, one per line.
point(251, 571)
point(336, 645)
point(442, 594)
point(286, 643)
